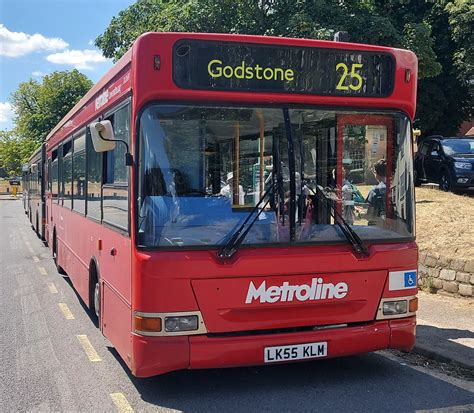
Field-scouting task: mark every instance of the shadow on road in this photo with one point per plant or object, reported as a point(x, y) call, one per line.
point(90, 313)
point(438, 342)
point(358, 383)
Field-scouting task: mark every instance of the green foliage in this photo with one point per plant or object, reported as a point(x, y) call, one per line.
point(438, 31)
point(461, 21)
point(417, 37)
point(427, 284)
point(40, 106)
point(14, 152)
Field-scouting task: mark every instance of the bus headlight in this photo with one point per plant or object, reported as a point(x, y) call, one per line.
point(395, 307)
point(182, 323)
point(168, 324)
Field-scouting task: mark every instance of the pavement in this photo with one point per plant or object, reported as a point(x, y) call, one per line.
point(445, 329)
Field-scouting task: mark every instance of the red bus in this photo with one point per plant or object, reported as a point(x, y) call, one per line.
point(221, 200)
point(34, 190)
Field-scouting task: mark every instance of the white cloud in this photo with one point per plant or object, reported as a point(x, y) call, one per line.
point(6, 112)
point(15, 44)
point(37, 74)
point(80, 59)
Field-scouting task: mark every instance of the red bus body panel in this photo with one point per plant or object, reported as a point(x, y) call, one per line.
point(177, 281)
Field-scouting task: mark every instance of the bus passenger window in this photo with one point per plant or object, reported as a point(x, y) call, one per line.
point(115, 191)
point(79, 174)
point(54, 175)
point(67, 174)
point(94, 179)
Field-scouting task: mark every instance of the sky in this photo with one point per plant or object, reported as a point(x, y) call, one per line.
point(38, 37)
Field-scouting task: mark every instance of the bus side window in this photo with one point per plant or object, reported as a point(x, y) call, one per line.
point(54, 174)
point(60, 175)
point(79, 173)
point(67, 174)
point(115, 202)
point(94, 179)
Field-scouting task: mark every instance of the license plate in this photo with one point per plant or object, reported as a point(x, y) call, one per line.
point(296, 352)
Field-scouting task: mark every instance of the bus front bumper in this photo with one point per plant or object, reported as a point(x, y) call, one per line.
point(157, 355)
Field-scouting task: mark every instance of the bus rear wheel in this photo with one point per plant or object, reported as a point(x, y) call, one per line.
point(94, 293)
point(55, 255)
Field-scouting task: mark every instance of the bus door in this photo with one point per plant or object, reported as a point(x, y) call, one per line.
point(363, 142)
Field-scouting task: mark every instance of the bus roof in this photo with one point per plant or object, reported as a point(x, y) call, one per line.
point(128, 74)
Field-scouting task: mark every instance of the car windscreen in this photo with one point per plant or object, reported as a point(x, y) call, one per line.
point(458, 146)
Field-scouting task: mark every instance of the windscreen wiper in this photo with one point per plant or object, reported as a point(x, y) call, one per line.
point(358, 245)
point(235, 241)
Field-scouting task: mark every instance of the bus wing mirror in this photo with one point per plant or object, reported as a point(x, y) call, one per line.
point(102, 134)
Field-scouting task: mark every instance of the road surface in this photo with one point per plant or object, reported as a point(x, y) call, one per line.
point(53, 358)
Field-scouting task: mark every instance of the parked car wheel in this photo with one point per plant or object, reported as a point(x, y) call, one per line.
point(445, 181)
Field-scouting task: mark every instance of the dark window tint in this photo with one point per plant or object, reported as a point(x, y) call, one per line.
point(49, 175)
point(94, 179)
point(424, 148)
point(54, 178)
point(60, 186)
point(67, 174)
point(79, 169)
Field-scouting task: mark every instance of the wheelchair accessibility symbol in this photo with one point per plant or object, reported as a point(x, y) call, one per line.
point(410, 279)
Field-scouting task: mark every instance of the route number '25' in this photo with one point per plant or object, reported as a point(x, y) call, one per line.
point(355, 78)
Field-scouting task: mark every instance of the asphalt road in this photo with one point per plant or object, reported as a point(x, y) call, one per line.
point(44, 366)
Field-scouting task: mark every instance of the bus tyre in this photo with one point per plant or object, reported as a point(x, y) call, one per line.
point(97, 299)
point(94, 293)
point(55, 255)
point(445, 181)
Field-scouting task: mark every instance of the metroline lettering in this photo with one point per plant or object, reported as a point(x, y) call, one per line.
point(216, 69)
point(318, 290)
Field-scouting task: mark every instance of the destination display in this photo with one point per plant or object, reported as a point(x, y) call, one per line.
point(214, 65)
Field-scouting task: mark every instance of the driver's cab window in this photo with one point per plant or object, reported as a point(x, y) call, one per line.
point(424, 148)
point(115, 189)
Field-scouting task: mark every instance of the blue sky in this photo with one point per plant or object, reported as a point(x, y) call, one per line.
point(38, 37)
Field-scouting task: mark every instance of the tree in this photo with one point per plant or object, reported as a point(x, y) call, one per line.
point(40, 106)
point(14, 152)
point(428, 28)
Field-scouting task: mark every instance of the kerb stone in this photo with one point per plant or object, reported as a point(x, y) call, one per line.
point(469, 266)
point(466, 290)
point(463, 277)
point(434, 272)
point(438, 284)
point(448, 275)
point(450, 286)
